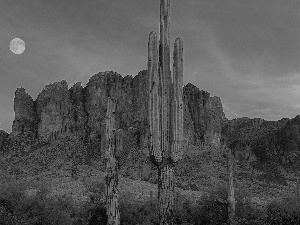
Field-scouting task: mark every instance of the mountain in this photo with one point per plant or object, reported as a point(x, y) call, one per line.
point(62, 120)
point(276, 141)
point(81, 111)
point(62, 134)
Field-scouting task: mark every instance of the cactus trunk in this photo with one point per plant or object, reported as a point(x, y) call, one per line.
point(231, 200)
point(166, 194)
point(165, 111)
point(111, 179)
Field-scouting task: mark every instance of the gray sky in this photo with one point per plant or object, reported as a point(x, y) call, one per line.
point(247, 52)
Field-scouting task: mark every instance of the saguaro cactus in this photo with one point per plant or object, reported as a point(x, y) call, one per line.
point(165, 111)
point(231, 200)
point(113, 145)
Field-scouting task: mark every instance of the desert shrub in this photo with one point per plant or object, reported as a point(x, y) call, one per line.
point(93, 211)
point(97, 215)
point(11, 195)
point(273, 174)
point(285, 212)
point(133, 212)
point(245, 212)
point(193, 186)
point(147, 213)
point(34, 210)
point(10, 219)
point(186, 213)
point(212, 209)
point(81, 215)
point(139, 213)
point(96, 190)
point(40, 210)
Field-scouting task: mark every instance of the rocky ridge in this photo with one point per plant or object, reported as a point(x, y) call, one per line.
point(81, 110)
point(65, 128)
point(276, 141)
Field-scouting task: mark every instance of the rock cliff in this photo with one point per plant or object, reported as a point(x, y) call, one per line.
point(78, 113)
point(25, 118)
point(205, 113)
point(60, 115)
point(81, 110)
point(53, 110)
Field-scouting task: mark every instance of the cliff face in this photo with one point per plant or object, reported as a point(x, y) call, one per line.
point(53, 109)
point(25, 117)
point(78, 111)
point(81, 111)
point(206, 115)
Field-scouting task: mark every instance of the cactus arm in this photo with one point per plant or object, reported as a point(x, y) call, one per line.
point(164, 41)
point(177, 113)
point(119, 143)
point(231, 199)
point(154, 100)
point(165, 73)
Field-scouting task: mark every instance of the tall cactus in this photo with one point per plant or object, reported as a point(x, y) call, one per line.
point(113, 146)
point(165, 111)
point(231, 200)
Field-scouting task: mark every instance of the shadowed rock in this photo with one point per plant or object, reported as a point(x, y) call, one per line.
point(81, 110)
point(203, 116)
point(3, 137)
point(24, 123)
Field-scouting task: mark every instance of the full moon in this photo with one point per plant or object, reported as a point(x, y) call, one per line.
point(17, 46)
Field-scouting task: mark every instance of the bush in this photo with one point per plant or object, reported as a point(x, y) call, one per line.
point(186, 213)
point(97, 190)
point(212, 209)
point(15, 209)
point(97, 215)
point(36, 210)
point(137, 213)
point(286, 212)
point(208, 210)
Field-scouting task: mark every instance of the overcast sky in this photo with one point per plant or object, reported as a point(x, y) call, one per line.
point(247, 52)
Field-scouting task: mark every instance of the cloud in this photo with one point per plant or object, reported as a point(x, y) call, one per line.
point(245, 52)
point(261, 37)
point(243, 93)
